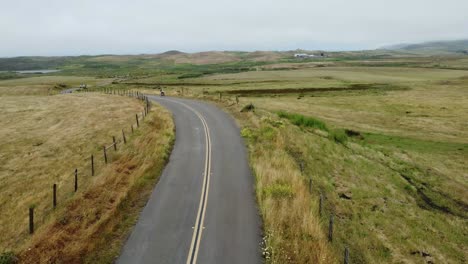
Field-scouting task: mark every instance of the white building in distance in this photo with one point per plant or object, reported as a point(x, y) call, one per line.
point(304, 55)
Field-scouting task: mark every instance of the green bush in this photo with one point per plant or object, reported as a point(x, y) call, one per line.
point(339, 135)
point(248, 108)
point(190, 75)
point(247, 133)
point(303, 121)
point(8, 258)
point(267, 132)
point(279, 190)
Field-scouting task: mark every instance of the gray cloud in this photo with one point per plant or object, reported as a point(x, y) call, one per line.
point(53, 27)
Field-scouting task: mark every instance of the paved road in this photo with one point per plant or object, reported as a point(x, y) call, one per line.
point(203, 208)
point(70, 90)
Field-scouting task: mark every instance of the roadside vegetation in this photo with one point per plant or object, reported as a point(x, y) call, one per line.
point(390, 203)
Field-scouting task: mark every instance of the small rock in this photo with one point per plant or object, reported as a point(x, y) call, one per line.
point(345, 196)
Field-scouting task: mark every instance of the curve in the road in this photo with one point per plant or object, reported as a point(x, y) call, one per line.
point(203, 207)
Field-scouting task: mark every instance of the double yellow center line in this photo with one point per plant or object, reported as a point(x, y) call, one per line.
point(198, 228)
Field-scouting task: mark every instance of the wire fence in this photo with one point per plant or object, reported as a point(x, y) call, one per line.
point(64, 189)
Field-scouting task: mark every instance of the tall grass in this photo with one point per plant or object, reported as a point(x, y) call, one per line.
point(337, 135)
point(303, 121)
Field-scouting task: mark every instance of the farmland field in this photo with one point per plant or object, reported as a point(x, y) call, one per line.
point(44, 85)
point(45, 138)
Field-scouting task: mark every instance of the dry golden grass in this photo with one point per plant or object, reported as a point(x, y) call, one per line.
point(92, 227)
point(43, 140)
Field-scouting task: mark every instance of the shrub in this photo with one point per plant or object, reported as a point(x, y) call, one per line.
point(352, 133)
point(247, 133)
point(267, 132)
point(303, 121)
point(8, 258)
point(339, 135)
point(248, 108)
point(190, 75)
point(279, 190)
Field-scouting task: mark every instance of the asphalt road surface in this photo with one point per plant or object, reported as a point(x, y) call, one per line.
point(203, 208)
point(70, 90)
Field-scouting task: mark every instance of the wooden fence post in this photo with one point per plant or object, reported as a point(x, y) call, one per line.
point(330, 229)
point(105, 154)
point(123, 137)
point(346, 255)
point(132, 128)
point(138, 123)
point(31, 220)
point(115, 143)
point(76, 180)
point(310, 185)
point(54, 195)
point(92, 165)
point(320, 204)
point(147, 104)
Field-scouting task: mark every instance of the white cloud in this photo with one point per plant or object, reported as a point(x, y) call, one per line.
point(52, 27)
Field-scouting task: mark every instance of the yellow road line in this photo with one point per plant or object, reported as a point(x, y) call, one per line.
point(198, 228)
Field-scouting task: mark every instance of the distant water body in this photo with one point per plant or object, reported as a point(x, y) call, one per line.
point(33, 71)
point(37, 71)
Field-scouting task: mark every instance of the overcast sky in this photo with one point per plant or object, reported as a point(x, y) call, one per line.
point(72, 27)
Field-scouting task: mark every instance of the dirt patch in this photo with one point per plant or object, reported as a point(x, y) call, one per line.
point(429, 203)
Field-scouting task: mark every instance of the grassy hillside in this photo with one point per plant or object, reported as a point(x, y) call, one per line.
point(434, 47)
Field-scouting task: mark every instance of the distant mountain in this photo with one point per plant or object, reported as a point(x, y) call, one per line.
point(454, 46)
point(172, 52)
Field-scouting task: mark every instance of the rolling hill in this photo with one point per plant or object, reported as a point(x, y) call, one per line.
point(455, 46)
